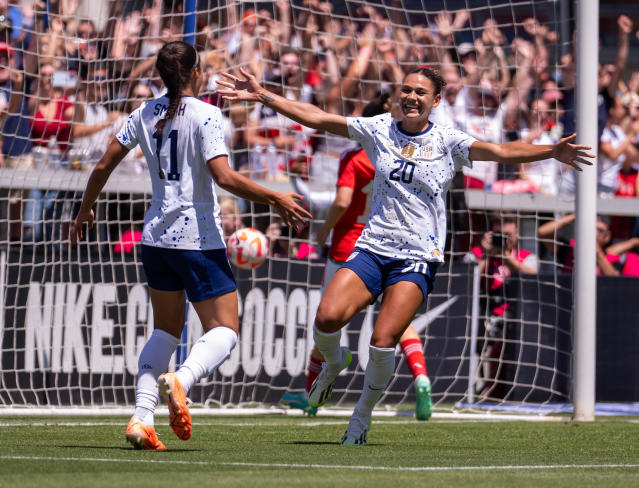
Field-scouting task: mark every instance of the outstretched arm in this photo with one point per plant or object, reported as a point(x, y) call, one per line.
point(547, 232)
point(520, 152)
point(248, 89)
point(284, 203)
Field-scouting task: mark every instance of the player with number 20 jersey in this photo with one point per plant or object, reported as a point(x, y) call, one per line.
point(403, 241)
point(412, 176)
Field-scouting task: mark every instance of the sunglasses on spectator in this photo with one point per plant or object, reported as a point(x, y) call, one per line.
point(99, 78)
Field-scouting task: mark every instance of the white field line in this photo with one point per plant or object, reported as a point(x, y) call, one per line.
point(325, 466)
point(309, 423)
point(225, 412)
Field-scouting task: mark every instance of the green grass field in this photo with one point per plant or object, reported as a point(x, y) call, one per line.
point(277, 451)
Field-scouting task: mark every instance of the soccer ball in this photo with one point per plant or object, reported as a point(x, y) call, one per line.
point(247, 248)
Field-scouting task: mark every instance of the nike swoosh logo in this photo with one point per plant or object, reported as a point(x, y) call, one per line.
point(423, 321)
point(375, 389)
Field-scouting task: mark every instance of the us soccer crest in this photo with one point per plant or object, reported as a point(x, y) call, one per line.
point(427, 151)
point(408, 150)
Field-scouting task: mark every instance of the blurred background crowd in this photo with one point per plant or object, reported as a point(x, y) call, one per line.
point(71, 70)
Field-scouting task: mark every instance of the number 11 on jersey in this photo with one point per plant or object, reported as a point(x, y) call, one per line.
point(173, 174)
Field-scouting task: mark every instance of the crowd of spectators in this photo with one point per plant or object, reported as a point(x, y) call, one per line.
point(66, 85)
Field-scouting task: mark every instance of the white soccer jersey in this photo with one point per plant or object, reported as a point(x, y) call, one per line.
point(412, 175)
point(184, 212)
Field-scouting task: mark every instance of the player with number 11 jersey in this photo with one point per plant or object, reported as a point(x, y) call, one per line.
point(184, 212)
point(183, 253)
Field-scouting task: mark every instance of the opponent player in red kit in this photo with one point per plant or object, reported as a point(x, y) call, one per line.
point(347, 217)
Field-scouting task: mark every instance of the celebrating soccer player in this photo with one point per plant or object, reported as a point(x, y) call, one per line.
point(403, 242)
point(346, 218)
point(182, 243)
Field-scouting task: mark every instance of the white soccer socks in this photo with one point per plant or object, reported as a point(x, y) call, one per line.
point(207, 354)
point(379, 370)
point(328, 344)
point(153, 361)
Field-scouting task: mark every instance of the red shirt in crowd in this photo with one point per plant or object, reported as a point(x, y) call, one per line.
point(497, 272)
point(42, 130)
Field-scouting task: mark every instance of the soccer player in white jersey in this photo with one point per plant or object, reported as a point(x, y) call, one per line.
point(403, 242)
point(183, 249)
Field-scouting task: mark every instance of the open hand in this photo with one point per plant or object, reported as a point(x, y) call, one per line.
point(292, 213)
point(75, 232)
point(246, 88)
point(572, 154)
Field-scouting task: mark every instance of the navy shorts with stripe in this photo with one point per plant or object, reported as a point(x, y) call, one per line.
point(378, 272)
point(203, 274)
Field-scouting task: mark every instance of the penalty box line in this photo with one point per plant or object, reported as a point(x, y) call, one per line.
point(323, 466)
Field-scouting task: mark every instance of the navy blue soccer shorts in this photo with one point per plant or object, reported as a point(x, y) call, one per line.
point(378, 272)
point(202, 274)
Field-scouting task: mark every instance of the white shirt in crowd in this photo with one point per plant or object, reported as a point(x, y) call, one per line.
point(184, 212)
point(412, 175)
point(485, 127)
point(544, 174)
point(607, 168)
point(91, 148)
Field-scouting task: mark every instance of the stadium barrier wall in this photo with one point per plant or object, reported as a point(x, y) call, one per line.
point(72, 334)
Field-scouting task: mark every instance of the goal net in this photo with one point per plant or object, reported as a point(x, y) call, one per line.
point(75, 318)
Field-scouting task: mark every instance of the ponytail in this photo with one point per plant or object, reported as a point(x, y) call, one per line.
point(176, 61)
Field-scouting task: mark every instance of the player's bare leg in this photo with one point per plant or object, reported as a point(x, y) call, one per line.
point(399, 305)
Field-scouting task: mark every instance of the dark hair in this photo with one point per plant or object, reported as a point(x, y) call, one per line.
point(176, 61)
point(376, 105)
point(290, 50)
point(499, 219)
point(432, 75)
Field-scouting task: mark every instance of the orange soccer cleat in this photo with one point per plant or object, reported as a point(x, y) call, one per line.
point(143, 436)
point(175, 397)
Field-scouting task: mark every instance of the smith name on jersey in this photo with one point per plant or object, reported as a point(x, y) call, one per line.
point(184, 212)
point(412, 175)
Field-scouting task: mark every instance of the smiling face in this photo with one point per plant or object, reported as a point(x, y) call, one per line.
point(417, 98)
